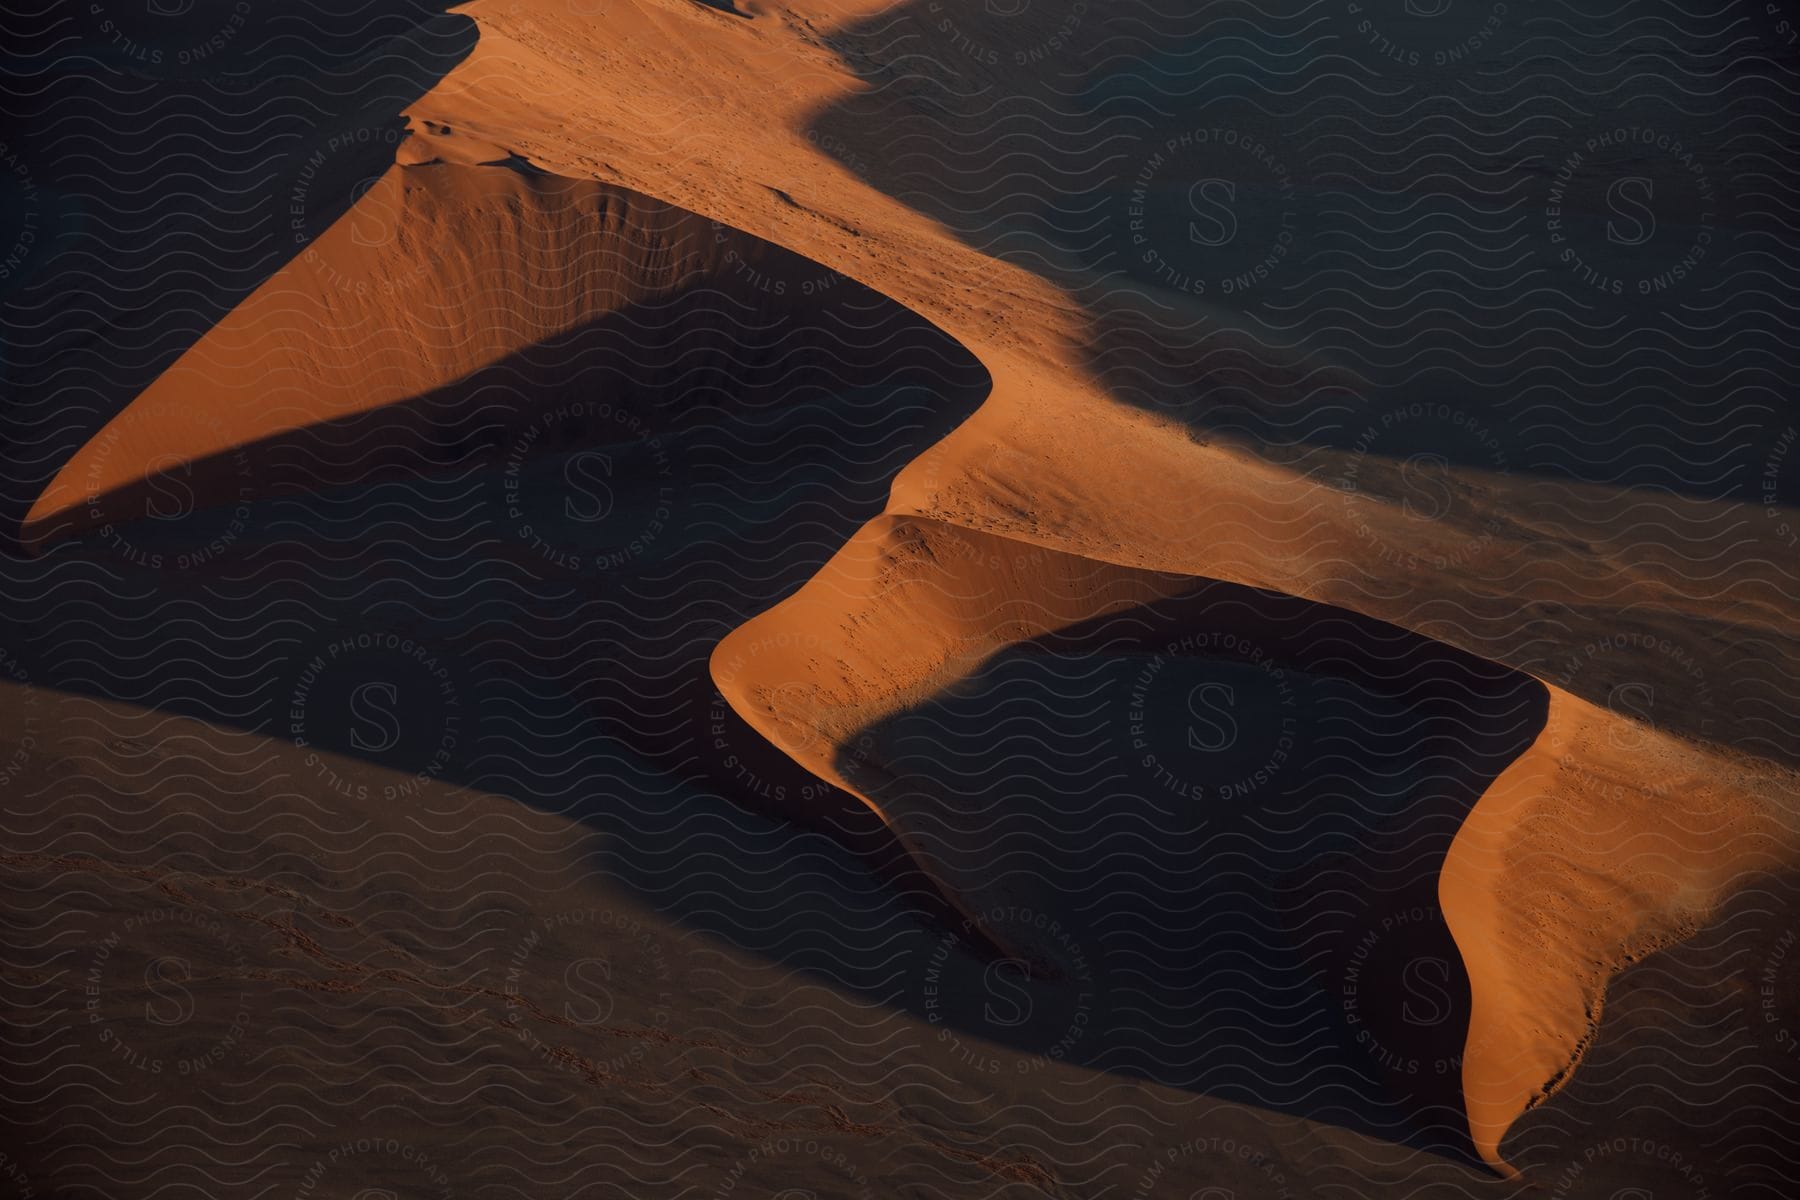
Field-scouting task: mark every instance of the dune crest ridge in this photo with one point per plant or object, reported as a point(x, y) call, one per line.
point(1603, 842)
point(441, 269)
point(1060, 500)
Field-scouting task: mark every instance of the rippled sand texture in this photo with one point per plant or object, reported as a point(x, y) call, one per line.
point(1085, 599)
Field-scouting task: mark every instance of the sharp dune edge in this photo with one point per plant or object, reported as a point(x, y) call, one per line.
point(1056, 502)
point(381, 329)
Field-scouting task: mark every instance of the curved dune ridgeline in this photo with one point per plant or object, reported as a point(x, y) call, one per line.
point(1143, 455)
point(1603, 842)
point(450, 308)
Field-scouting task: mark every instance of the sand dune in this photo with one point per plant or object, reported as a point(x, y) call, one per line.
point(410, 331)
point(616, 1038)
point(1561, 875)
point(1088, 483)
point(1602, 844)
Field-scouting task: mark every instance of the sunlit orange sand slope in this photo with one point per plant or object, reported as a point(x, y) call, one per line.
point(408, 329)
point(1611, 835)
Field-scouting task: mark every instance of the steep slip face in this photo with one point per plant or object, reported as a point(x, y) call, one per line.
point(920, 625)
point(1160, 794)
point(1603, 843)
point(453, 305)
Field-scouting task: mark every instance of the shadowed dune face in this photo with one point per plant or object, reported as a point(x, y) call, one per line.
point(190, 173)
point(1225, 801)
point(1242, 165)
point(1158, 795)
point(489, 312)
point(568, 394)
point(1738, 981)
point(1228, 215)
